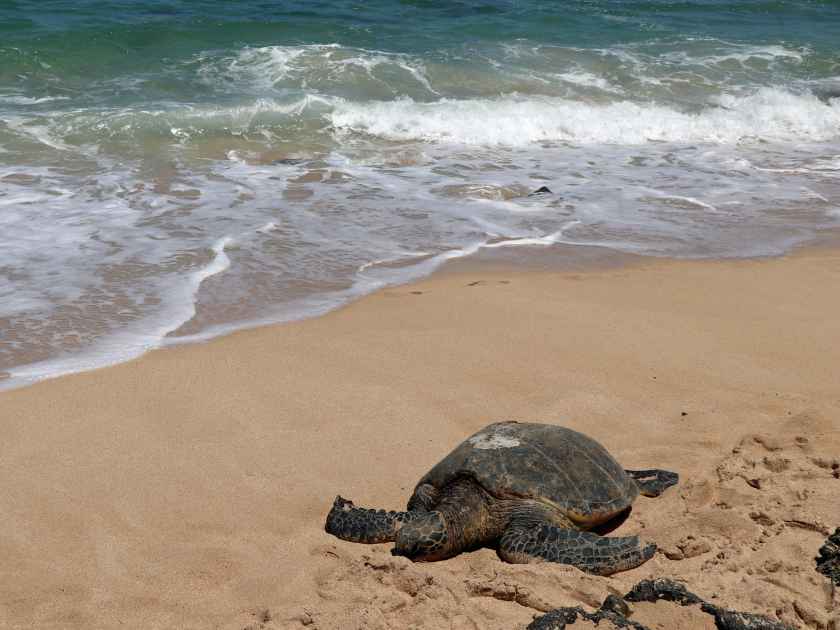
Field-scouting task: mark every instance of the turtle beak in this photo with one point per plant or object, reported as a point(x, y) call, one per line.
point(406, 552)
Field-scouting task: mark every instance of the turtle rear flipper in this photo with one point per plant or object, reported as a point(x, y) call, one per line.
point(587, 551)
point(653, 482)
point(348, 522)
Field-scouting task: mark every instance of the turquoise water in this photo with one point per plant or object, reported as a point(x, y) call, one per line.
point(171, 170)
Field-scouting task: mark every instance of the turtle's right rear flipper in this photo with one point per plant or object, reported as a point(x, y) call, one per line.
point(348, 522)
point(652, 483)
point(529, 542)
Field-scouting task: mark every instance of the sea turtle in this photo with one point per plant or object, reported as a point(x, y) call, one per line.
point(534, 490)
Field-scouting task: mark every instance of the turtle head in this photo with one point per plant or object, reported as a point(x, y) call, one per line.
point(423, 539)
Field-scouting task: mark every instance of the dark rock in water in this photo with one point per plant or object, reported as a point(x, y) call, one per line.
point(616, 610)
point(289, 161)
point(827, 94)
point(542, 190)
point(828, 562)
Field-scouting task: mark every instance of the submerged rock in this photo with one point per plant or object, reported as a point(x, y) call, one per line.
point(289, 161)
point(542, 190)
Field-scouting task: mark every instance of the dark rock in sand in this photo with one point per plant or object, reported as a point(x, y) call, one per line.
point(558, 619)
point(614, 603)
point(734, 620)
point(617, 611)
point(654, 590)
point(828, 562)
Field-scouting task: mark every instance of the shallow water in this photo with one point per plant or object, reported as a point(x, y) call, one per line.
point(170, 170)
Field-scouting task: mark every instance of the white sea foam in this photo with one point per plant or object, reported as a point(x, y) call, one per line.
point(21, 200)
point(274, 63)
point(587, 79)
point(180, 123)
point(401, 260)
point(308, 66)
point(38, 129)
point(18, 99)
point(680, 200)
point(135, 340)
point(548, 239)
point(767, 115)
point(742, 54)
point(823, 167)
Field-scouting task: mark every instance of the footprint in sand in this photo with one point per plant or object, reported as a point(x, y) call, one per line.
point(759, 522)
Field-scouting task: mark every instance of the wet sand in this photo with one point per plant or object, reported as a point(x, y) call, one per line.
point(188, 489)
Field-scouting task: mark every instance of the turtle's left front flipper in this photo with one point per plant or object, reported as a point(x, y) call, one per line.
point(585, 550)
point(348, 522)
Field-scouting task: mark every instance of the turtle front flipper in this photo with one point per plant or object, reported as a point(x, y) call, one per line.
point(586, 551)
point(348, 522)
point(652, 483)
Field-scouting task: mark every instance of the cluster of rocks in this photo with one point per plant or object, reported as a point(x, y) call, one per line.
point(617, 610)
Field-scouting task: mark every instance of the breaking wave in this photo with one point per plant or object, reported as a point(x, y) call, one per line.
point(767, 115)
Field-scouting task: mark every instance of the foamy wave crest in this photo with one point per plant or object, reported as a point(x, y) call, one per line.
point(61, 130)
point(587, 79)
point(18, 99)
point(317, 66)
point(767, 115)
point(710, 51)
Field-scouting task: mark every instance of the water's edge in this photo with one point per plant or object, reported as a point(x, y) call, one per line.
point(549, 258)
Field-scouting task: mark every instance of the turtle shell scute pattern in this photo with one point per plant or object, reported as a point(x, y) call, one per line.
point(545, 462)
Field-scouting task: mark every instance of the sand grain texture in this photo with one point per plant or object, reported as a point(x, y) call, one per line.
point(188, 489)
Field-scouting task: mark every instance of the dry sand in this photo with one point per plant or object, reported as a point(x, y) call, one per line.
point(188, 489)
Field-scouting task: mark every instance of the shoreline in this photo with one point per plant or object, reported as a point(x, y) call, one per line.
point(561, 257)
point(188, 487)
point(554, 258)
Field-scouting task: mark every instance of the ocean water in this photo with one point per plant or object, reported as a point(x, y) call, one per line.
point(174, 169)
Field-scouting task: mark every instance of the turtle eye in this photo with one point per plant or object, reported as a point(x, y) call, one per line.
point(429, 547)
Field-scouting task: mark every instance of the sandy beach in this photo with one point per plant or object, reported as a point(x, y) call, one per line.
point(188, 489)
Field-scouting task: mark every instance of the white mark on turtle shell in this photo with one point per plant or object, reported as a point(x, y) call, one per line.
point(493, 440)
